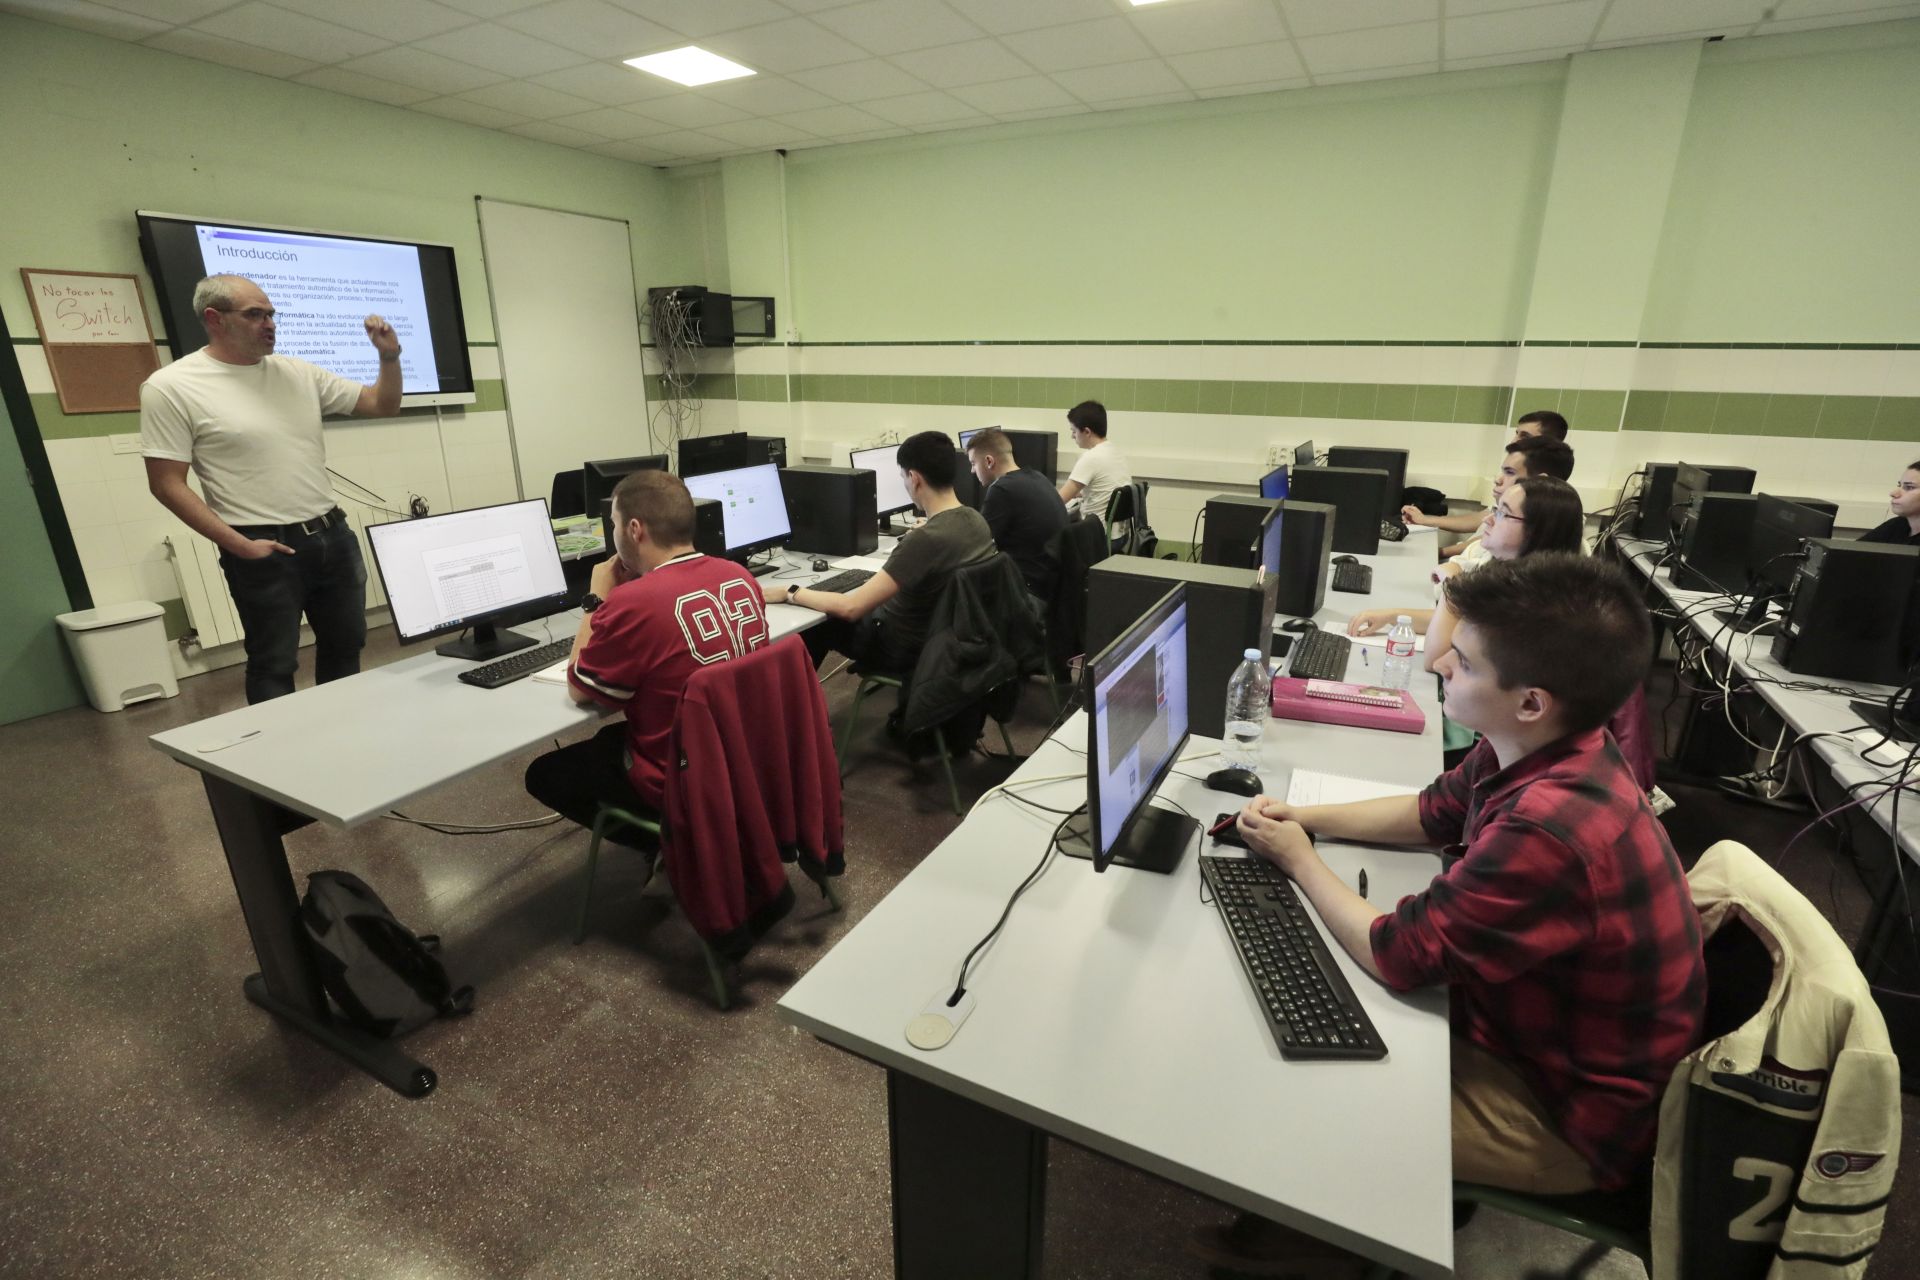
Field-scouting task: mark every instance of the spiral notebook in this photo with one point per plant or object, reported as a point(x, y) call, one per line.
point(1365, 695)
point(1291, 701)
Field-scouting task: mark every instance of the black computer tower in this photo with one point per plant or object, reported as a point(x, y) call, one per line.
point(1656, 517)
point(767, 449)
point(965, 487)
point(831, 509)
point(709, 527)
point(1228, 612)
point(1391, 461)
point(1231, 530)
point(1036, 451)
point(1354, 493)
point(1306, 545)
point(1716, 540)
point(704, 455)
point(1854, 613)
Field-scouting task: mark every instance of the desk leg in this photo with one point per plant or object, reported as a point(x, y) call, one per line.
point(969, 1186)
point(288, 985)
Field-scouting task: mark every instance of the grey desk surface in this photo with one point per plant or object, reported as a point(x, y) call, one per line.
point(1113, 1012)
point(1805, 711)
point(348, 751)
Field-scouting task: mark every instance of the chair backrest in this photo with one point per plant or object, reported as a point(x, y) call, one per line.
point(1128, 505)
point(1077, 547)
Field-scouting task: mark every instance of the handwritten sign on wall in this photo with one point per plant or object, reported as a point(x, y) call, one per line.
point(93, 328)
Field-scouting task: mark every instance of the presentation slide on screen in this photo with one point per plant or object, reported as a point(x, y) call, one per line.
point(447, 569)
point(323, 289)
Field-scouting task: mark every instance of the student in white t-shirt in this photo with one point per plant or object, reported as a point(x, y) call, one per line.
point(1100, 471)
point(247, 422)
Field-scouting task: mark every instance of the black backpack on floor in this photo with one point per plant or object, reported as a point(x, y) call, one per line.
point(386, 980)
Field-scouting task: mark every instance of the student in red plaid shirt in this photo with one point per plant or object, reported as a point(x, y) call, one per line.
point(1561, 923)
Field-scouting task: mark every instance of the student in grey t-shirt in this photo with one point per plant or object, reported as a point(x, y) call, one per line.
point(885, 619)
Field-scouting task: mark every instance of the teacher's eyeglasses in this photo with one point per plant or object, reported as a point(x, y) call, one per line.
point(252, 314)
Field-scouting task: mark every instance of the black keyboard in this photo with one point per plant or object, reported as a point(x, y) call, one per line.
point(517, 666)
point(845, 580)
point(1310, 1007)
point(1320, 655)
point(1353, 577)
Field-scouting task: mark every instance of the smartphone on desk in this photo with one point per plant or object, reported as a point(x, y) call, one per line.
point(1226, 830)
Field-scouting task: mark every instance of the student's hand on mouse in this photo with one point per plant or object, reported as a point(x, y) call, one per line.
point(1411, 514)
point(1368, 621)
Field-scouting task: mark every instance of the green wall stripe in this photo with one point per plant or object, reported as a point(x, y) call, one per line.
point(1588, 409)
point(56, 424)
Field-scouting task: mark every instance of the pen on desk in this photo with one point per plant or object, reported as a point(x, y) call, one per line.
point(1363, 882)
point(1364, 660)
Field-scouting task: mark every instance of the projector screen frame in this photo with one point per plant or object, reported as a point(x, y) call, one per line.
point(193, 339)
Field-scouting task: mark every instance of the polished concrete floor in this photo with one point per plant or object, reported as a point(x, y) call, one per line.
point(595, 1116)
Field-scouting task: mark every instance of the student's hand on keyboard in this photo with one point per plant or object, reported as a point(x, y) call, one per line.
point(1368, 621)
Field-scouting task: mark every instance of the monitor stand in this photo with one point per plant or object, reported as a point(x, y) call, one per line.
point(485, 644)
point(1156, 841)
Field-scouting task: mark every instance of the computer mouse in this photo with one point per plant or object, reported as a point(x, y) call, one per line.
point(1241, 782)
point(819, 564)
point(1299, 625)
point(1346, 560)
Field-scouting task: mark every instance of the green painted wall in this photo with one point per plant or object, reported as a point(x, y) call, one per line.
point(35, 673)
point(97, 128)
point(1621, 124)
point(1798, 194)
point(753, 207)
point(1405, 209)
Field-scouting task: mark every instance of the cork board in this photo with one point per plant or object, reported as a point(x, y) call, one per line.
point(93, 328)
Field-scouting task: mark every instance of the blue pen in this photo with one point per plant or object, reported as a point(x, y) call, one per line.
point(1364, 660)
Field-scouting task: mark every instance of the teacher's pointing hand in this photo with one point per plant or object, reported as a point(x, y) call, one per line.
point(383, 338)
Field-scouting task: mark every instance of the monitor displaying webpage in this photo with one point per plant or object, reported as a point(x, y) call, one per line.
point(1141, 708)
point(751, 503)
point(889, 486)
point(448, 570)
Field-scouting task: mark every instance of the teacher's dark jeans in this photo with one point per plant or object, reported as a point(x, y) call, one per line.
point(325, 579)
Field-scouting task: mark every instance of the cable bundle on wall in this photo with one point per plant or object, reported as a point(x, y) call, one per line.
point(674, 330)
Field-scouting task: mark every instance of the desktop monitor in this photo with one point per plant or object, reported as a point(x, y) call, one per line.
point(1781, 527)
point(889, 486)
point(968, 435)
point(1391, 461)
point(1303, 454)
point(1137, 696)
point(1273, 485)
point(599, 479)
point(1266, 564)
point(752, 508)
point(479, 568)
point(1689, 482)
point(704, 455)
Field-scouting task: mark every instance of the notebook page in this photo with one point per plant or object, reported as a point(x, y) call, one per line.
point(1310, 787)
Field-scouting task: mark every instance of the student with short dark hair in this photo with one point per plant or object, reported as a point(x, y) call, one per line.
point(1100, 471)
point(1525, 456)
point(1564, 931)
point(885, 618)
point(1542, 424)
point(1903, 529)
point(655, 612)
point(1020, 506)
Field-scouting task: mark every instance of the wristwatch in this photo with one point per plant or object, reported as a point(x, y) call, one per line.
point(590, 602)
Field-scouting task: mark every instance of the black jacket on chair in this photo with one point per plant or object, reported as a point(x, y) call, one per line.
point(984, 639)
point(1078, 547)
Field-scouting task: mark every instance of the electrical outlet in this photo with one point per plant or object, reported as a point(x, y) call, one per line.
point(1277, 454)
point(125, 444)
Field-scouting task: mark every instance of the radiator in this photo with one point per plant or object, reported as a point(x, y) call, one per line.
point(203, 587)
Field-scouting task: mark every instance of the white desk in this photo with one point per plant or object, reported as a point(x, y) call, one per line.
point(1805, 711)
point(1112, 1011)
point(344, 753)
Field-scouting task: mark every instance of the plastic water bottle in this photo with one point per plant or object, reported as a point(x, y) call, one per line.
point(1397, 670)
point(1248, 707)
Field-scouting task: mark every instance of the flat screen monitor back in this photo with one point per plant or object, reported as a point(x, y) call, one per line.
point(1303, 454)
point(599, 479)
point(702, 455)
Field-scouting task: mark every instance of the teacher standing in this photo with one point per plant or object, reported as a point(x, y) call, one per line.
point(247, 422)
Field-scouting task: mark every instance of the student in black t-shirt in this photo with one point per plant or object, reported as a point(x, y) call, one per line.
point(1021, 507)
point(1904, 528)
point(885, 619)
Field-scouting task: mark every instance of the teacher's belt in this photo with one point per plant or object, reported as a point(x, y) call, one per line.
point(319, 524)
